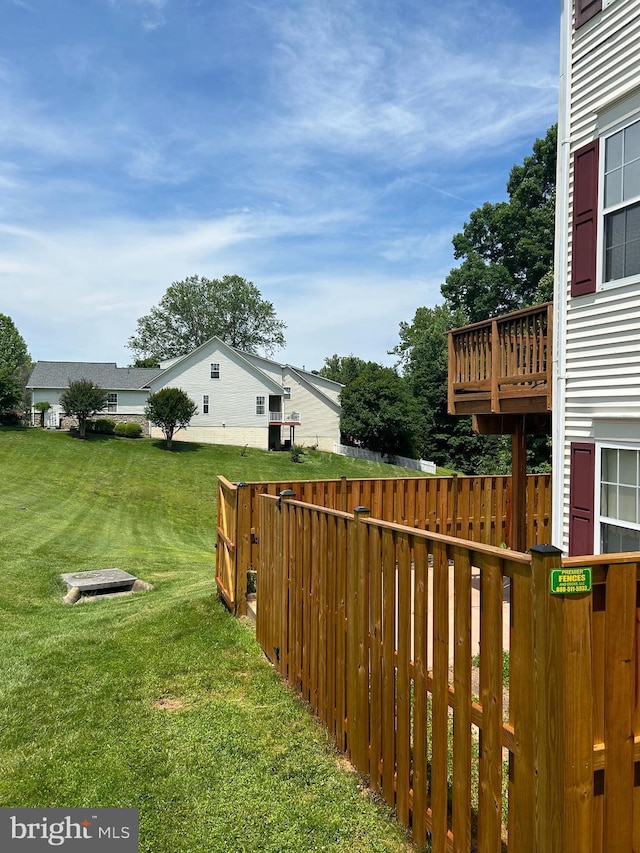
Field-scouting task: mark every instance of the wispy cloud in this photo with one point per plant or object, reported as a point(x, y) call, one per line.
point(23, 5)
point(453, 80)
point(328, 151)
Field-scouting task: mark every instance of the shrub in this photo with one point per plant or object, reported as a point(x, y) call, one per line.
point(10, 418)
point(105, 426)
point(132, 430)
point(296, 452)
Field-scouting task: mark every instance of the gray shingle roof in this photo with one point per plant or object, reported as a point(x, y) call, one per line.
point(58, 374)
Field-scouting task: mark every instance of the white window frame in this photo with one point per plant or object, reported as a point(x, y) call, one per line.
point(205, 404)
point(287, 392)
point(112, 401)
point(599, 518)
point(260, 406)
point(215, 370)
point(603, 212)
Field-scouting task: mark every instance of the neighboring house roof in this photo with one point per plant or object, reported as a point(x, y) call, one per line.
point(58, 374)
point(307, 379)
point(257, 363)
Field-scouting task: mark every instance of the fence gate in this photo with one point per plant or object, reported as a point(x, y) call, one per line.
point(272, 581)
point(227, 535)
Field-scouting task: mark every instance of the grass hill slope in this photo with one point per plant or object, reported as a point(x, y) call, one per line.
point(159, 701)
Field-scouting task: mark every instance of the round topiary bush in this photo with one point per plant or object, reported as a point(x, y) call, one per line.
point(120, 429)
point(105, 426)
point(132, 430)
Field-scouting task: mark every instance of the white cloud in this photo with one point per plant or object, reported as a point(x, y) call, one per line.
point(449, 83)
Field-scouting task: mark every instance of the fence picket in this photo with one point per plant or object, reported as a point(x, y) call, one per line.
point(440, 699)
point(353, 609)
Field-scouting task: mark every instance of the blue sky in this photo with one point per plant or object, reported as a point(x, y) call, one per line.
point(327, 150)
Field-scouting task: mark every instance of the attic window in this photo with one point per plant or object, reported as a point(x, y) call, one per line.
point(215, 371)
point(287, 392)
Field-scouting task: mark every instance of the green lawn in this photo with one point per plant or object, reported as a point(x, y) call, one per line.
point(159, 701)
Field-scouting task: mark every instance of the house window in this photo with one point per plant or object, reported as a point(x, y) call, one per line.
point(619, 500)
point(215, 371)
point(205, 404)
point(621, 204)
point(260, 405)
point(287, 392)
point(112, 401)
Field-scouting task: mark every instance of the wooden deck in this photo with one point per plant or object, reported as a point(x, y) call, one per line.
point(502, 366)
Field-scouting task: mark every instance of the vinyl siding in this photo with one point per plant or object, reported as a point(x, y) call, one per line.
point(129, 402)
point(320, 418)
point(232, 397)
point(600, 364)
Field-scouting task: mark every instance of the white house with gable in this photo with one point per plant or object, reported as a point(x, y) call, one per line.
point(242, 398)
point(596, 424)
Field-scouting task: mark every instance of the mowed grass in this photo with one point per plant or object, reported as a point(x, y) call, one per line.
point(159, 701)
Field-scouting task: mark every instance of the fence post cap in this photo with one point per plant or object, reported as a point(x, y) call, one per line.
point(361, 509)
point(287, 493)
point(549, 550)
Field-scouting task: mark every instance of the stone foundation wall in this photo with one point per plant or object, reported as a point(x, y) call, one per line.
point(72, 423)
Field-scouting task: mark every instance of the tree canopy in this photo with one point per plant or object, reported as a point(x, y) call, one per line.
point(10, 391)
point(196, 309)
point(171, 409)
point(83, 399)
point(506, 253)
point(15, 365)
point(506, 248)
point(422, 356)
point(379, 412)
point(344, 368)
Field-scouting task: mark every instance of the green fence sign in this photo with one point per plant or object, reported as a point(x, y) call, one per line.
point(571, 581)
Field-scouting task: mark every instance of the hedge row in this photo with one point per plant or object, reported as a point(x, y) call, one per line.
point(107, 426)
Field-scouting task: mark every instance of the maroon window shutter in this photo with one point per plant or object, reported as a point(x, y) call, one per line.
point(585, 10)
point(585, 219)
point(581, 498)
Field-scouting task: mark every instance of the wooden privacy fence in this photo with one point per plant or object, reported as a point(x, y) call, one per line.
point(372, 623)
point(473, 508)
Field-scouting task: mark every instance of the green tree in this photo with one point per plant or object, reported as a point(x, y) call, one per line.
point(196, 309)
point(422, 356)
point(10, 391)
point(15, 365)
point(379, 412)
point(13, 349)
point(150, 361)
point(344, 369)
point(42, 407)
point(171, 410)
point(506, 248)
point(83, 399)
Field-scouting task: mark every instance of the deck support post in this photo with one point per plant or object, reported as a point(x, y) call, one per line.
point(519, 487)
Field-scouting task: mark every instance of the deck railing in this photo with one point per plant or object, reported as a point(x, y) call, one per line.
point(282, 418)
point(502, 365)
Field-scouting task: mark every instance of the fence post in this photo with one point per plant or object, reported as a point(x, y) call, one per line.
point(548, 701)
point(357, 681)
